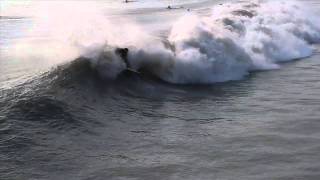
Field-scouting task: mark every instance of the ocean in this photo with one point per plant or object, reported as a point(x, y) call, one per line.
point(218, 90)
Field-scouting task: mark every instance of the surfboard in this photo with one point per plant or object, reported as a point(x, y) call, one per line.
point(132, 70)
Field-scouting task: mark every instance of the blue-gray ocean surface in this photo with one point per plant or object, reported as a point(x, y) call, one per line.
point(237, 97)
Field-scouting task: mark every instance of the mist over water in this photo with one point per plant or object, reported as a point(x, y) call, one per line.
point(226, 90)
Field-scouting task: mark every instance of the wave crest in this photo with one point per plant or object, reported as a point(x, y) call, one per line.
point(235, 39)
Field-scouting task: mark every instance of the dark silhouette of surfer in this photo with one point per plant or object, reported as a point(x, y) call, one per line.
point(123, 53)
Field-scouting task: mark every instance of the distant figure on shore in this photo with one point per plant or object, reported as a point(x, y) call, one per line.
point(170, 7)
point(130, 1)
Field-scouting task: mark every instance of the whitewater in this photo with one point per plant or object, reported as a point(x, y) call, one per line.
point(231, 40)
point(220, 89)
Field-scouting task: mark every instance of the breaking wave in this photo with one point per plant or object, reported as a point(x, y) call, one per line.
point(235, 39)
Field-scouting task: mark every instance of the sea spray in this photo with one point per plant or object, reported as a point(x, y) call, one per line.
point(241, 37)
point(237, 38)
point(63, 31)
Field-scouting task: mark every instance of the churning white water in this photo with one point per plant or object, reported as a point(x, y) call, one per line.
point(233, 40)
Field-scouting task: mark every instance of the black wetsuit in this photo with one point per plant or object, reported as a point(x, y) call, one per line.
point(123, 53)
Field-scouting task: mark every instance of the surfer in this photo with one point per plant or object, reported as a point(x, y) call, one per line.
point(123, 53)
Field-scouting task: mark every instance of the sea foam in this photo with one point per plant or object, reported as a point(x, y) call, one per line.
point(238, 38)
point(235, 39)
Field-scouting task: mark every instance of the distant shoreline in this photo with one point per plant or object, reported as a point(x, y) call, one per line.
point(12, 17)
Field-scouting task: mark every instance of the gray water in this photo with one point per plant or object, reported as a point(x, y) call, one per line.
point(69, 123)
